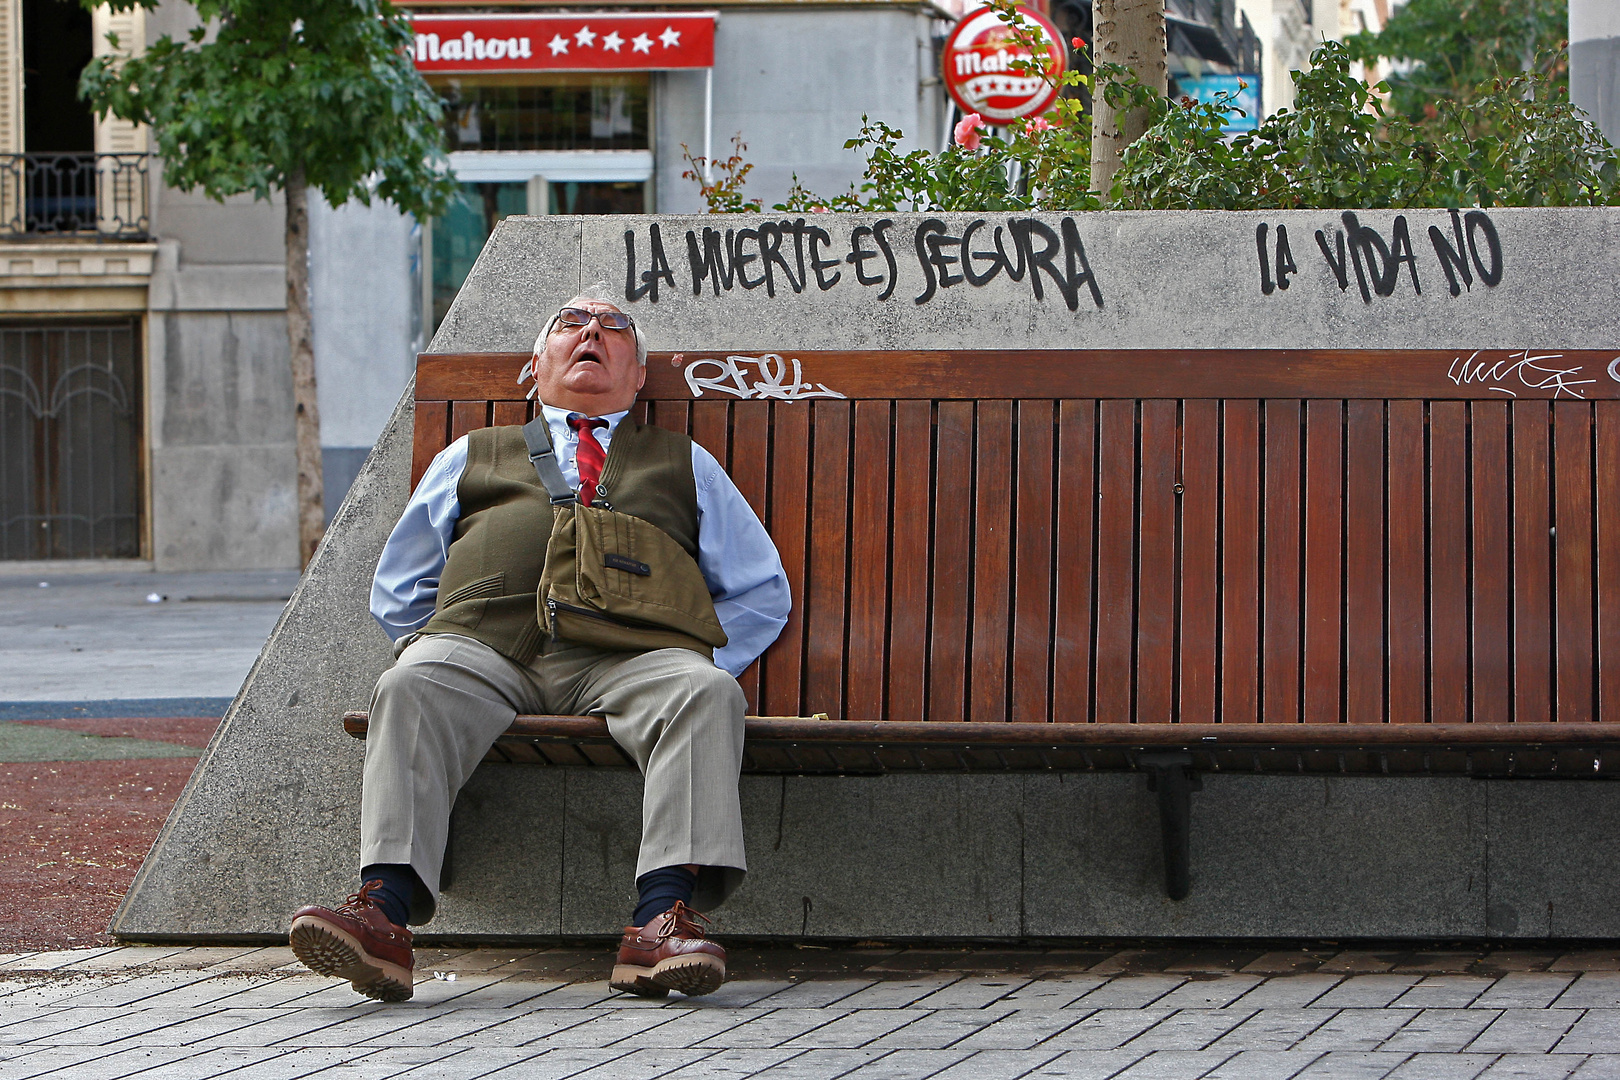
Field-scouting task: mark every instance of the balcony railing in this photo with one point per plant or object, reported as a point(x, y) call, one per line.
point(81, 195)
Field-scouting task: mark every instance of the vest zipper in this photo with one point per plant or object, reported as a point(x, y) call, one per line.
point(554, 606)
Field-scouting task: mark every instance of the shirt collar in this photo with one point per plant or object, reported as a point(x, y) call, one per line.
point(558, 418)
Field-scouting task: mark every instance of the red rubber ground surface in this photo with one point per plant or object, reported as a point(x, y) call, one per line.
point(185, 730)
point(73, 833)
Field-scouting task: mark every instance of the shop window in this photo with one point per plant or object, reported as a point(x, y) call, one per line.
point(459, 235)
point(546, 112)
point(598, 197)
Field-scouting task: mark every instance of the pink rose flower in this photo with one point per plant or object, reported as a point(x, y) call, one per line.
point(1038, 124)
point(967, 131)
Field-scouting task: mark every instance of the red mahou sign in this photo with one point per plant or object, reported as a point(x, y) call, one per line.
point(599, 41)
point(979, 61)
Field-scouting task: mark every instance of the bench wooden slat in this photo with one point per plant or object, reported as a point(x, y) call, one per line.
point(1156, 569)
point(1032, 562)
point(1338, 559)
point(711, 429)
point(986, 374)
point(989, 623)
point(1492, 525)
point(1072, 592)
point(1572, 597)
point(1608, 558)
point(783, 674)
point(1324, 560)
point(1116, 560)
point(908, 574)
point(1448, 560)
point(867, 624)
point(826, 616)
point(1282, 671)
point(1407, 583)
point(1199, 502)
point(512, 412)
point(951, 557)
point(592, 731)
point(467, 415)
point(749, 466)
point(1239, 579)
point(1364, 595)
point(1532, 563)
point(428, 435)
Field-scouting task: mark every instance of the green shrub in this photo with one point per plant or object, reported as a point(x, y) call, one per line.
point(1514, 141)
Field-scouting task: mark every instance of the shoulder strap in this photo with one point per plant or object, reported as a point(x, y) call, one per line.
point(537, 437)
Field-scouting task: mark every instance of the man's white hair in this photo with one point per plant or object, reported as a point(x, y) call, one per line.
point(601, 293)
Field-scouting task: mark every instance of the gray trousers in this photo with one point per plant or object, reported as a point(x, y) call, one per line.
point(437, 711)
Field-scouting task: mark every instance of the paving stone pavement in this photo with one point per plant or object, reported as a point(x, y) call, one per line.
point(874, 1012)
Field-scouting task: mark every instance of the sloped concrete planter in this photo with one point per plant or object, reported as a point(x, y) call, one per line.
point(270, 818)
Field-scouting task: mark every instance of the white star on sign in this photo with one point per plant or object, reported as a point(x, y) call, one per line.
point(613, 41)
point(641, 43)
point(671, 37)
point(585, 36)
point(558, 44)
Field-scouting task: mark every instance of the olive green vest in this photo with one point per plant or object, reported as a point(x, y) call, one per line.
point(498, 550)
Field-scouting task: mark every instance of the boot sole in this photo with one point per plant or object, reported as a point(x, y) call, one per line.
point(694, 975)
point(327, 950)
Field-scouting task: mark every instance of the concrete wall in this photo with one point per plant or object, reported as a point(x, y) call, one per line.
point(220, 424)
point(1594, 62)
point(366, 300)
point(270, 819)
point(795, 83)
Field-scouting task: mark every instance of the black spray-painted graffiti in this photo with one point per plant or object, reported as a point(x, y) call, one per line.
point(782, 255)
point(1360, 252)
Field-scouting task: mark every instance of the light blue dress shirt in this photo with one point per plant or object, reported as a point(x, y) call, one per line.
point(735, 553)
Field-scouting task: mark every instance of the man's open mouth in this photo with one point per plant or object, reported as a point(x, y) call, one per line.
point(587, 355)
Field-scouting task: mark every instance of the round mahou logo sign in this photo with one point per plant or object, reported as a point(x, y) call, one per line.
point(979, 73)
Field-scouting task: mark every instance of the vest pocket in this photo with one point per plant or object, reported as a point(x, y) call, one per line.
point(466, 606)
point(479, 587)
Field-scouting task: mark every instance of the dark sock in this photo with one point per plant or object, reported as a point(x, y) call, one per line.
point(399, 881)
point(659, 889)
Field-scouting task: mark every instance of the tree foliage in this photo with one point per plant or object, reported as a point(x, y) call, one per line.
point(1518, 143)
point(1512, 140)
point(267, 88)
point(1446, 49)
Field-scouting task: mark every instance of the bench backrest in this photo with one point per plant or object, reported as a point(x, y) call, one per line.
point(1112, 536)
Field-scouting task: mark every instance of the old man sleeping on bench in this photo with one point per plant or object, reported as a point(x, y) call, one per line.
point(638, 599)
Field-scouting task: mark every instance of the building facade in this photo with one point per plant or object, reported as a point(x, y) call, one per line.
point(145, 398)
point(145, 404)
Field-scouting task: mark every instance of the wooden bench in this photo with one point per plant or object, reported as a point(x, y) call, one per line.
point(1342, 562)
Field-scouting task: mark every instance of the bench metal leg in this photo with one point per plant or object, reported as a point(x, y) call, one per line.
point(1172, 777)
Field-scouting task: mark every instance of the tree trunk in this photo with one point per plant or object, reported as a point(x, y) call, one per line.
point(1129, 32)
point(301, 350)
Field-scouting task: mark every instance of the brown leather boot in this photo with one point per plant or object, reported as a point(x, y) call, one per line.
point(669, 953)
point(358, 943)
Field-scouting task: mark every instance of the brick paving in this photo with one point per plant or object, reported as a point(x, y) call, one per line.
point(882, 1013)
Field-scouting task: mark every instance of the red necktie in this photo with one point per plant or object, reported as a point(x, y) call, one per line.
point(589, 457)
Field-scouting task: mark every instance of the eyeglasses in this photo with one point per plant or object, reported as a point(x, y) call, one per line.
point(609, 320)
